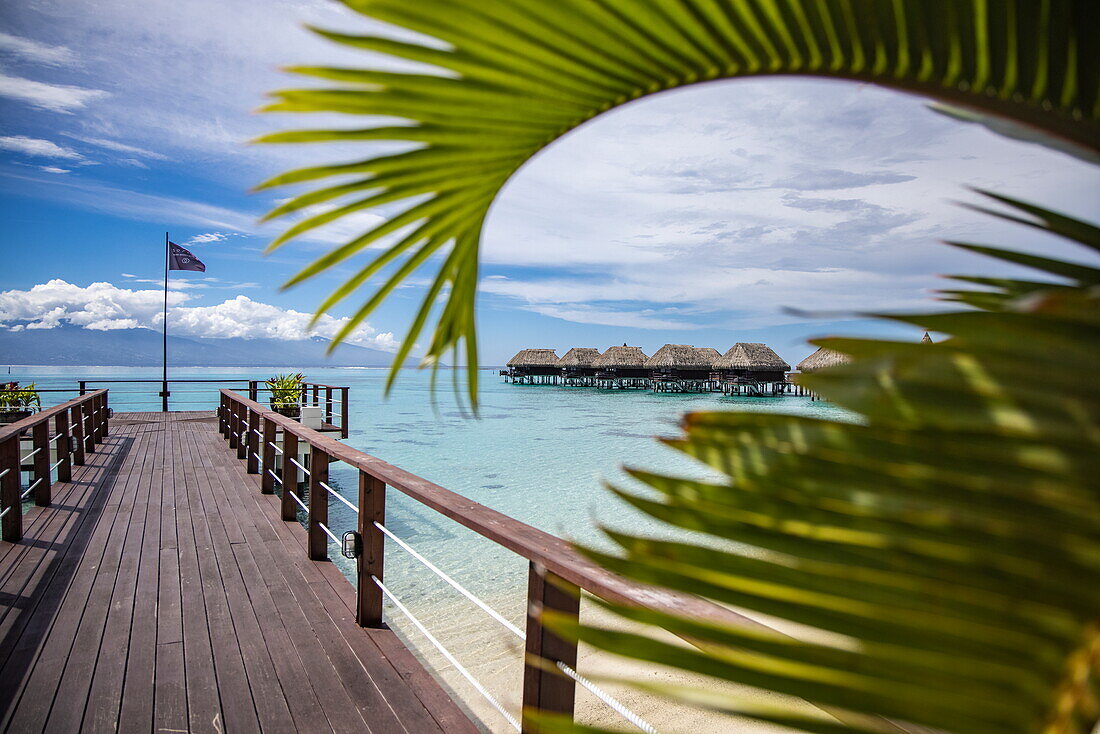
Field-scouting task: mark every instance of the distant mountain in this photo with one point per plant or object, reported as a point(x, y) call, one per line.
point(73, 345)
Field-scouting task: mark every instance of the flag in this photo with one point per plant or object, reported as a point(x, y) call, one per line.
point(180, 258)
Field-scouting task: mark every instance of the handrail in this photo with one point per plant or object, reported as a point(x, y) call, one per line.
point(84, 420)
point(557, 572)
point(538, 546)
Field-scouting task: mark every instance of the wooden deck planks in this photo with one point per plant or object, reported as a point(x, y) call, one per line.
point(162, 592)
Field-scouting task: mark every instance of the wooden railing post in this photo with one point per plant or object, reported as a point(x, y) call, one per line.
point(343, 412)
point(372, 509)
point(289, 475)
point(542, 689)
point(316, 394)
point(88, 417)
point(252, 462)
point(40, 444)
point(9, 491)
point(253, 390)
point(222, 424)
point(77, 420)
point(318, 504)
point(61, 439)
point(243, 420)
point(105, 425)
point(234, 423)
point(328, 405)
point(267, 451)
point(83, 387)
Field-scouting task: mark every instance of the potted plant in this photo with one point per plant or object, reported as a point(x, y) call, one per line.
point(16, 403)
point(286, 392)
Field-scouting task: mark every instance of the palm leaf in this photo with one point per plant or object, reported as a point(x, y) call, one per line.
point(953, 529)
point(515, 75)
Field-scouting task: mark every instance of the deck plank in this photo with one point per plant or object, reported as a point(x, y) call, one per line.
point(162, 592)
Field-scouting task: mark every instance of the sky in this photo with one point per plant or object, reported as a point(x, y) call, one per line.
point(702, 215)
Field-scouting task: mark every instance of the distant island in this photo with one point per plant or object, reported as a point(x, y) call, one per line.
point(73, 345)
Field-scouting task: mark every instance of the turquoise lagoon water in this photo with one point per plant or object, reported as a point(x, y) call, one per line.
point(537, 453)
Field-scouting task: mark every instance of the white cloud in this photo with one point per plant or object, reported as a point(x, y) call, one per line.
point(54, 169)
point(38, 147)
point(200, 239)
point(104, 306)
point(62, 98)
point(118, 147)
point(36, 51)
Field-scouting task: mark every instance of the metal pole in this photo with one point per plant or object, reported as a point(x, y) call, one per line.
point(164, 373)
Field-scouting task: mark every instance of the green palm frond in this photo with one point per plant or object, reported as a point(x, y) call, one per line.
point(515, 75)
point(953, 530)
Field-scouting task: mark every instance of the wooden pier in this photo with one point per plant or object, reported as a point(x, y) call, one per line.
point(160, 591)
point(163, 581)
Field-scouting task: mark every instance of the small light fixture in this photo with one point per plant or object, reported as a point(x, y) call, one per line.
point(352, 545)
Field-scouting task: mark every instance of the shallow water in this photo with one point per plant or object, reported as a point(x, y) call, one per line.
point(537, 453)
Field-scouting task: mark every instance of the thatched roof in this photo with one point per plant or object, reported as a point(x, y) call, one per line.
point(926, 339)
point(534, 358)
point(579, 357)
point(682, 356)
point(821, 359)
point(752, 356)
point(622, 357)
point(710, 354)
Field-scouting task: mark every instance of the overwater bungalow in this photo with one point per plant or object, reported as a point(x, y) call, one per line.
point(622, 368)
point(682, 368)
point(819, 360)
point(752, 368)
point(926, 339)
point(578, 366)
point(533, 367)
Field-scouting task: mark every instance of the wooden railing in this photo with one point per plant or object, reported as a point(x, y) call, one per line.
point(556, 573)
point(79, 425)
point(315, 393)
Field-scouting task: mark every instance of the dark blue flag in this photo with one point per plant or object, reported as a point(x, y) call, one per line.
point(180, 258)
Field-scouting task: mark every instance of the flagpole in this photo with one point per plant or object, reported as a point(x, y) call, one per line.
point(164, 363)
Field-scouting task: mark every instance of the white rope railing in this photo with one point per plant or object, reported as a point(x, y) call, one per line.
point(30, 489)
point(4, 473)
point(329, 533)
point(447, 654)
point(274, 476)
point(613, 703)
point(24, 458)
point(340, 497)
point(57, 463)
point(294, 496)
point(459, 587)
point(295, 463)
point(272, 445)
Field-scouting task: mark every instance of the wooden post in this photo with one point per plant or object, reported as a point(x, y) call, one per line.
point(289, 475)
point(252, 462)
point(253, 390)
point(344, 414)
point(372, 509)
point(316, 394)
point(243, 421)
point(87, 423)
point(77, 420)
point(105, 426)
point(222, 416)
point(267, 451)
point(9, 491)
point(234, 423)
point(40, 442)
point(61, 438)
point(318, 504)
point(543, 690)
point(328, 405)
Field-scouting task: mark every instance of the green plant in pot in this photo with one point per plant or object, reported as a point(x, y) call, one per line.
point(16, 403)
point(286, 392)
